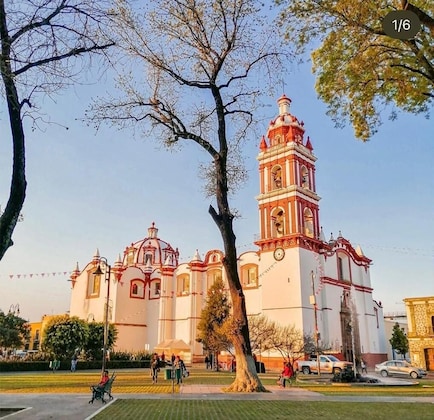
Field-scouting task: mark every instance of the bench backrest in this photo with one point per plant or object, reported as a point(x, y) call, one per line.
point(109, 383)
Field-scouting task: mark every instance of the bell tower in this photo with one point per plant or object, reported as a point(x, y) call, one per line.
point(288, 203)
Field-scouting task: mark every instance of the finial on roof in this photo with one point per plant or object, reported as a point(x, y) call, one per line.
point(96, 257)
point(309, 144)
point(152, 231)
point(331, 240)
point(321, 235)
point(284, 103)
point(359, 251)
point(263, 145)
point(196, 256)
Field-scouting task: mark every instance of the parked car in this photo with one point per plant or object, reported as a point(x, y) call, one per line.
point(399, 367)
point(327, 364)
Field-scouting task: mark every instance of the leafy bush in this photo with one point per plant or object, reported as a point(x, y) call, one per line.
point(20, 366)
point(120, 355)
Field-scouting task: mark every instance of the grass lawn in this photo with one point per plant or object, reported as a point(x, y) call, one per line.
point(240, 410)
point(139, 381)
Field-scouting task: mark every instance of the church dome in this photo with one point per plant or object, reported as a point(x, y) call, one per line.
point(151, 251)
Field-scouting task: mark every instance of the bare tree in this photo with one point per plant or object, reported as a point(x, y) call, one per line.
point(204, 64)
point(41, 41)
point(262, 331)
point(290, 343)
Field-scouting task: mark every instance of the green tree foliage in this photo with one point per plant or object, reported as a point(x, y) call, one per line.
point(14, 331)
point(399, 340)
point(63, 335)
point(359, 69)
point(213, 327)
point(94, 343)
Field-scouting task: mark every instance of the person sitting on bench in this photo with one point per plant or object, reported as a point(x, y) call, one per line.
point(104, 379)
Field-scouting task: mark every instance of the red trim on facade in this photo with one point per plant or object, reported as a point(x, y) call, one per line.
point(346, 284)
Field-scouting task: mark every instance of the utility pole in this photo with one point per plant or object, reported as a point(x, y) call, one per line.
point(315, 314)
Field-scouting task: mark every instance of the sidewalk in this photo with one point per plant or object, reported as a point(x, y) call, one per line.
point(76, 406)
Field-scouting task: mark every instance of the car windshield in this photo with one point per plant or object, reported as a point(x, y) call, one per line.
point(334, 359)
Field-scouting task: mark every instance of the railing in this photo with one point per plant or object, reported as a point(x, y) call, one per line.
point(421, 332)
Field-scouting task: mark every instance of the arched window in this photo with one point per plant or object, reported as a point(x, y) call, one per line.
point(212, 276)
point(137, 289)
point(278, 222)
point(308, 223)
point(277, 140)
point(276, 177)
point(304, 177)
point(183, 285)
point(343, 267)
point(249, 275)
point(155, 289)
point(93, 285)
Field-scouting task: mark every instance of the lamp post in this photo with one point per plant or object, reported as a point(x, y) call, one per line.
point(106, 273)
point(315, 315)
point(15, 309)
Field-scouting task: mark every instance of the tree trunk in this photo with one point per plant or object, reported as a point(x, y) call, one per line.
point(246, 378)
point(9, 218)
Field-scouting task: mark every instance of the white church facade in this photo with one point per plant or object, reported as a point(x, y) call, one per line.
point(294, 276)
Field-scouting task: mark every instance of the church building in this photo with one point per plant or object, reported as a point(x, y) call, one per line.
point(294, 276)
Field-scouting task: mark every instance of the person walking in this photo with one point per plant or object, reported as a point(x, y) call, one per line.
point(155, 367)
point(286, 375)
point(179, 369)
point(206, 362)
point(363, 366)
point(74, 362)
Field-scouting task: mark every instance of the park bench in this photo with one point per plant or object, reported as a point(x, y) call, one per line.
point(98, 392)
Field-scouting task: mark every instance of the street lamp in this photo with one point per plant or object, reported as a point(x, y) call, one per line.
point(15, 309)
point(106, 273)
point(315, 314)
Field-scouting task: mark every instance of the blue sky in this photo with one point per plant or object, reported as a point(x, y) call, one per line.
point(89, 190)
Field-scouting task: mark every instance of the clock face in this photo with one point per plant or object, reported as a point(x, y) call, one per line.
point(279, 254)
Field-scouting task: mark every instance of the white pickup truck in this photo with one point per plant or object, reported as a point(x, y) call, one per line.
point(327, 364)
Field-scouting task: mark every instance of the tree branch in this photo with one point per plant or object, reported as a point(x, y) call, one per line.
point(71, 53)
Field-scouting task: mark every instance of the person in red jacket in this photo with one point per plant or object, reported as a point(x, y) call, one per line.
point(104, 379)
point(286, 375)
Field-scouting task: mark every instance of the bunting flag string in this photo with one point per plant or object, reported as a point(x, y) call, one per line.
point(31, 275)
point(267, 270)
